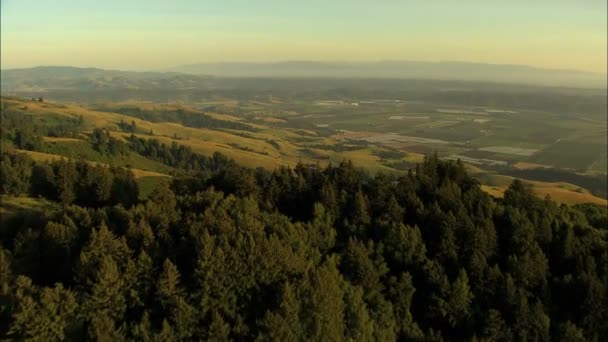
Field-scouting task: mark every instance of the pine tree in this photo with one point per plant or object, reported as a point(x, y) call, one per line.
point(106, 295)
point(102, 244)
point(166, 333)
point(325, 309)
point(103, 329)
point(359, 326)
point(321, 232)
point(66, 176)
point(461, 297)
point(364, 268)
point(401, 292)
point(140, 235)
point(103, 185)
point(6, 273)
point(283, 324)
point(182, 316)
point(495, 328)
point(219, 330)
point(569, 332)
point(358, 219)
point(43, 181)
point(142, 331)
point(329, 199)
point(43, 315)
point(139, 280)
point(403, 245)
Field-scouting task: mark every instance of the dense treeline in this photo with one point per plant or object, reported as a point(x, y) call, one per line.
point(181, 116)
point(68, 181)
point(308, 253)
point(178, 156)
point(105, 143)
point(25, 131)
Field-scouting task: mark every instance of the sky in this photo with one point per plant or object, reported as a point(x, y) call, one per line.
point(156, 34)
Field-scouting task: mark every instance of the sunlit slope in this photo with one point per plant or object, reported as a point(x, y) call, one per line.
point(259, 146)
point(264, 146)
point(11, 205)
point(47, 157)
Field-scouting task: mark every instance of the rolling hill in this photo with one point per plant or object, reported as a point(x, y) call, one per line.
point(259, 145)
point(45, 78)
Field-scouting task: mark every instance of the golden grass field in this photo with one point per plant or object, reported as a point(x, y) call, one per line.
point(560, 195)
point(47, 157)
point(10, 205)
point(60, 139)
point(253, 149)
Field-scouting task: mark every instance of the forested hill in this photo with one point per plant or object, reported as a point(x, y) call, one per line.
point(309, 253)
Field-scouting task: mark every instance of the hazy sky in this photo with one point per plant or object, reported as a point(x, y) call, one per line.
point(129, 34)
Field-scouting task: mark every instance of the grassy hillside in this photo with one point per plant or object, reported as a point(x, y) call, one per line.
point(263, 143)
point(11, 206)
point(40, 156)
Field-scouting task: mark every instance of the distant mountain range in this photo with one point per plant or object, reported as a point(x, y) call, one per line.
point(403, 70)
point(40, 79)
point(297, 76)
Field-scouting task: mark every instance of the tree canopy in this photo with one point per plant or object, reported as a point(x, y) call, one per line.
point(224, 252)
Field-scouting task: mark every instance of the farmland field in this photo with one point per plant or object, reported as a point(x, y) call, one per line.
point(569, 154)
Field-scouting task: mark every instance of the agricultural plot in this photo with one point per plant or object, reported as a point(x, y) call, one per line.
point(508, 158)
point(518, 151)
point(460, 132)
point(461, 111)
point(404, 117)
point(570, 155)
point(477, 161)
point(393, 137)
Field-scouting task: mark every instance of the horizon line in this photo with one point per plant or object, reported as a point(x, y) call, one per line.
point(284, 61)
